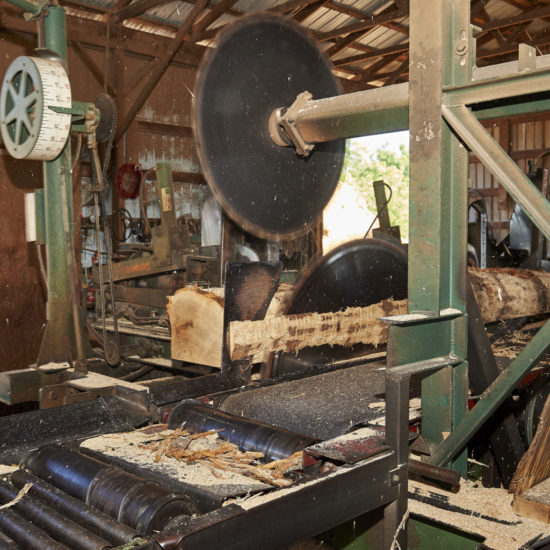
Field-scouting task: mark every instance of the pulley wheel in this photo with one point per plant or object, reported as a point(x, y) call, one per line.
point(107, 123)
point(357, 274)
point(261, 63)
point(30, 128)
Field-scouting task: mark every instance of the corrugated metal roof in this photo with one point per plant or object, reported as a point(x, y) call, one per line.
point(333, 15)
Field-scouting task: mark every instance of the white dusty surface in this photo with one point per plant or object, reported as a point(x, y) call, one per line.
point(477, 500)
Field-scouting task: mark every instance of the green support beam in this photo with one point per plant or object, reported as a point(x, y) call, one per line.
point(437, 218)
point(63, 327)
point(493, 397)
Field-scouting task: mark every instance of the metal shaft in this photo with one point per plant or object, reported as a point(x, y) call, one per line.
point(45, 517)
point(433, 472)
point(386, 109)
point(25, 533)
point(352, 115)
point(115, 532)
point(6, 543)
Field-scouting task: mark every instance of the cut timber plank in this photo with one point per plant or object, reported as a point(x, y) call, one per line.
point(534, 466)
point(534, 503)
point(196, 317)
point(94, 380)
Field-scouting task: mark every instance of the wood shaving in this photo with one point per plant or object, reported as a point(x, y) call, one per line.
point(511, 345)
point(24, 490)
point(200, 459)
point(223, 456)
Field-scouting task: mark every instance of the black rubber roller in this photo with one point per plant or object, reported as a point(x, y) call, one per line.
point(143, 505)
point(275, 443)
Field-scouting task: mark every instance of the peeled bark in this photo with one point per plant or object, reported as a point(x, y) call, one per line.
point(294, 332)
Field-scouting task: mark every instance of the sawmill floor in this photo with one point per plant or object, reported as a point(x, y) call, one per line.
point(477, 510)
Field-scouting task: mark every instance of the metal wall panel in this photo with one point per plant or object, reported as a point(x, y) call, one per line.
point(524, 138)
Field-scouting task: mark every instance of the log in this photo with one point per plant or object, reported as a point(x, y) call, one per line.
point(510, 293)
point(278, 306)
point(500, 293)
point(196, 318)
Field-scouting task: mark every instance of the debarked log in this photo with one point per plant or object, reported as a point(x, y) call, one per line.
point(501, 294)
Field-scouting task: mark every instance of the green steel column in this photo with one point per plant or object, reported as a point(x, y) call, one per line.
point(58, 340)
point(439, 55)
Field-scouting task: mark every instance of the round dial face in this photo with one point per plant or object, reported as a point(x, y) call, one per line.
point(30, 128)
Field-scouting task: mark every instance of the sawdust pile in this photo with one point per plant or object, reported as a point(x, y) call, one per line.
point(485, 512)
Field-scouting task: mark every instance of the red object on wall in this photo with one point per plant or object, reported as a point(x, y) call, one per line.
point(128, 180)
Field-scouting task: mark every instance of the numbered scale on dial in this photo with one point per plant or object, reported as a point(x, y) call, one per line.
point(30, 128)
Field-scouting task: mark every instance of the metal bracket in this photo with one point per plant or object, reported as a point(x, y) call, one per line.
point(287, 120)
point(398, 475)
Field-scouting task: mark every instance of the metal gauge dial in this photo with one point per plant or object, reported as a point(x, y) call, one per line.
point(30, 128)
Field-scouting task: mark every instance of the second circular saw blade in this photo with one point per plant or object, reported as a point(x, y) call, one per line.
point(357, 274)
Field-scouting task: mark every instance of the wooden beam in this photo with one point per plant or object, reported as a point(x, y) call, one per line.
point(374, 21)
point(343, 43)
point(91, 65)
point(392, 77)
point(372, 72)
point(527, 16)
point(391, 50)
point(509, 49)
point(520, 4)
point(214, 14)
point(135, 9)
point(290, 5)
point(91, 34)
point(303, 13)
point(159, 67)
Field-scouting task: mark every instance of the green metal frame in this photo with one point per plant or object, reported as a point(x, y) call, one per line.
point(64, 335)
point(444, 92)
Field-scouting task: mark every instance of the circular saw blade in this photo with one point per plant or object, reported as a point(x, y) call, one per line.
point(261, 63)
point(357, 274)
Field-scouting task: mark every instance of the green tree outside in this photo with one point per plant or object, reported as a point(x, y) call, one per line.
point(362, 167)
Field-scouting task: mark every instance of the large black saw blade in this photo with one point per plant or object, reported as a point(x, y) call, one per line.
point(356, 274)
point(261, 63)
